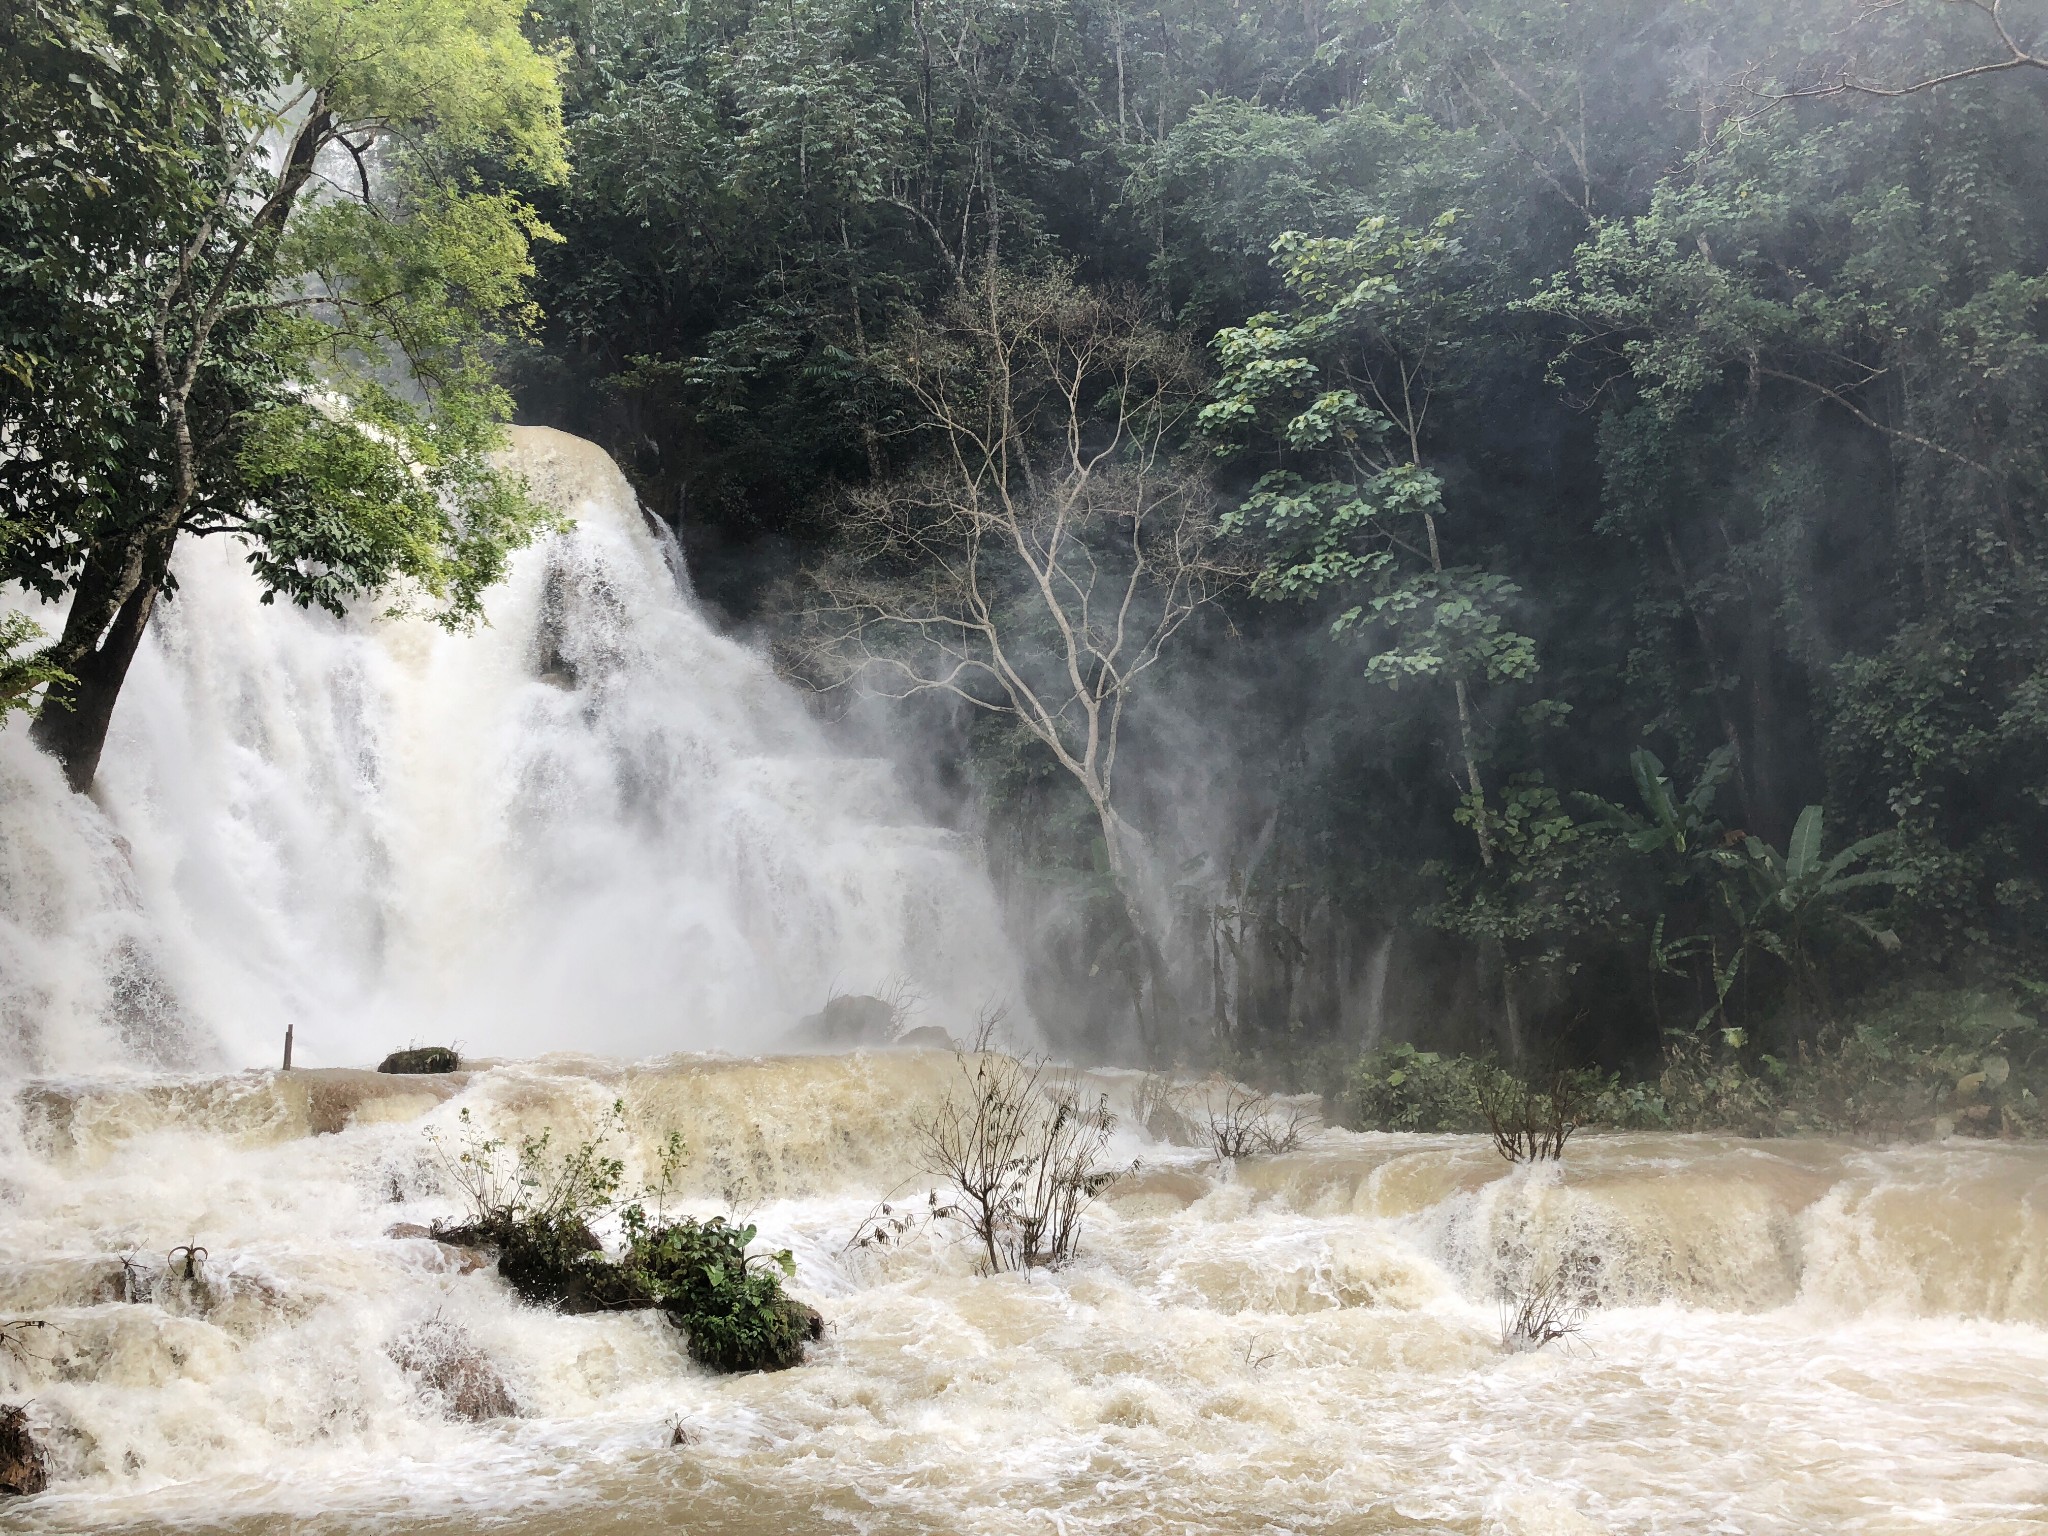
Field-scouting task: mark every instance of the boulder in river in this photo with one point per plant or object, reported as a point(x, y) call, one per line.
point(23, 1467)
point(845, 1022)
point(776, 1348)
point(419, 1060)
point(926, 1037)
point(441, 1358)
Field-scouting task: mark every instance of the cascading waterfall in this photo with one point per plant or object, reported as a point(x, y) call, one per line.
point(593, 822)
point(596, 827)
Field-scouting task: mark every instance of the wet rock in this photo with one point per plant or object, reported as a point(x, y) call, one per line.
point(443, 1361)
point(783, 1349)
point(464, 1258)
point(926, 1037)
point(463, 1250)
point(842, 1024)
point(421, 1060)
point(23, 1467)
point(806, 1322)
point(337, 1097)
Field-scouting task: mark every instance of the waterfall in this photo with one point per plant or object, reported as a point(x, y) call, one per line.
point(597, 829)
point(594, 823)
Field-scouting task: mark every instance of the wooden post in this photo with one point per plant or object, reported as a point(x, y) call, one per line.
point(288, 1047)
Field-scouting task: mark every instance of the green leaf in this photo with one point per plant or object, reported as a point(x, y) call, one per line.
point(1802, 854)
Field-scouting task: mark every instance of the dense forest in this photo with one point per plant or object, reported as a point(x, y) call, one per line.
point(1514, 527)
point(1561, 486)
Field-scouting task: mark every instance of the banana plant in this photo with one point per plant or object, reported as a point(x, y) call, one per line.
point(1668, 822)
point(1804, 884)
point(1790, 896)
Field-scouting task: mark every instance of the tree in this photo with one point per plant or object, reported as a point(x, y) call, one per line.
point(1055, 543)
point(204, 335)
point(1972, 38)
point(1337, 395)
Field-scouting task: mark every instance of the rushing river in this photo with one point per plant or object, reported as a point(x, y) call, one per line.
point(1787, 1337)
point(599, 825)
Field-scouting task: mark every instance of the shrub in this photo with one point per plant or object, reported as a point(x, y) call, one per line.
point(1400, 1088)
point(536, 1208)
point(1531, 1124)
point(1541, 1312)
point(1919, 1063)
point(1245, 1123)
point(730, 1303)
point(1023, 1154)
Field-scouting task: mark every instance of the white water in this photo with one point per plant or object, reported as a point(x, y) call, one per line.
point(389, 835)
point(1790, 1338)
point(594, 821)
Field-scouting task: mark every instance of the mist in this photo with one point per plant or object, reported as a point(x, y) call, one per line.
point(950, 767)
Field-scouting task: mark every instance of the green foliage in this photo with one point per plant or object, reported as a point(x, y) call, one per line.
point(1627, 334)
point(730, 1303)
point(21, 676)
point(259, 293)
point(1916, 1064)
point(537, 1207)
point(1400, 1088)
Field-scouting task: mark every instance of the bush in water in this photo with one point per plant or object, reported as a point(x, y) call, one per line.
point(1531, 1123)
point(1543, 1311)
point(1245, 1123)
point(731, 1304)
point(1023, 1154)
point(421, 1059)
point(535, 1208)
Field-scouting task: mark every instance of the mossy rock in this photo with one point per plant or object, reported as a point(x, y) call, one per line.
point(421, 1060)
point(790, 1325)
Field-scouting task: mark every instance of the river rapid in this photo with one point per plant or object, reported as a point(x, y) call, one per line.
point(1786, 1337)
point(600, 824)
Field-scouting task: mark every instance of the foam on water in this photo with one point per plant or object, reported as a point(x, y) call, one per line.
point(1787, 1338)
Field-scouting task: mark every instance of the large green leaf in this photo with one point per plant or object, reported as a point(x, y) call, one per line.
point(1802, 854)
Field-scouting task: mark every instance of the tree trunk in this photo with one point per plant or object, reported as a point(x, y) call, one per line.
point(115, 597)
point(1151, 954)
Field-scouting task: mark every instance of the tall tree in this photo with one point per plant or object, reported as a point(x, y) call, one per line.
point(1050, 552)
point(252, 287)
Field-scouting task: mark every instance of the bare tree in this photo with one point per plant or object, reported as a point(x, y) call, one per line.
point(1872, 23)
point(1246, 1123)
point(1531, 1123)
point(1021, 1152)
point(1050, 546)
